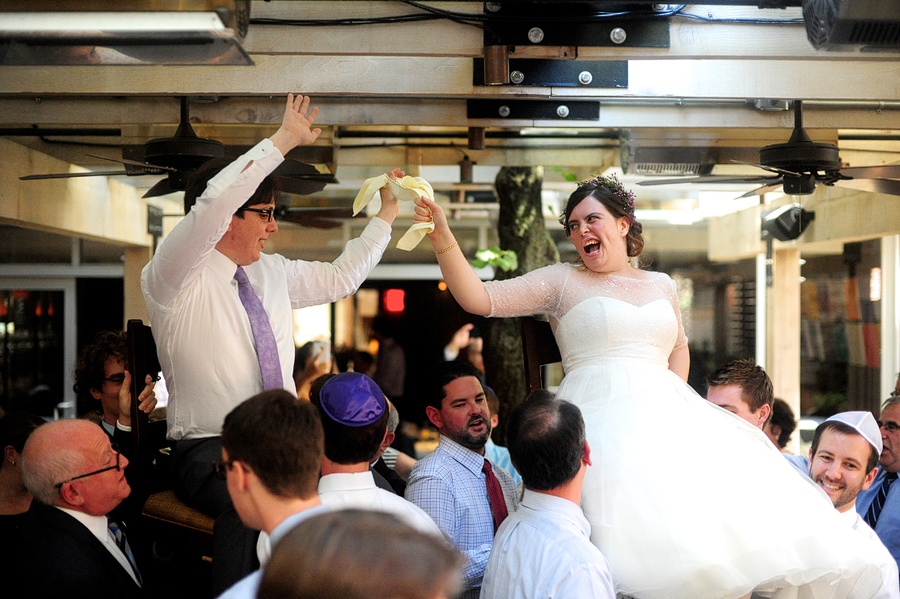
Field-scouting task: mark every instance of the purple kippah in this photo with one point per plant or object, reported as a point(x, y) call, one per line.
point(352, 399)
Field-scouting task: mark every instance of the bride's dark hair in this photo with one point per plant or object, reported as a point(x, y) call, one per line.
point(615, 198)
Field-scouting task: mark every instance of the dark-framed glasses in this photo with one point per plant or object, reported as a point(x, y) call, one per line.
point(267, 214)
point(116, 379)
point(221, 468)
point(116, 467)
point(889, 426)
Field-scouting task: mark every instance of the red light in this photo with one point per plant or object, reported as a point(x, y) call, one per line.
point(394, 300)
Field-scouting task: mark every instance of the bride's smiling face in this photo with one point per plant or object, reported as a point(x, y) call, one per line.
point(598, 236)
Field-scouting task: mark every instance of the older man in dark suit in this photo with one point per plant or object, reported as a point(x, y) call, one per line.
point(70, 547)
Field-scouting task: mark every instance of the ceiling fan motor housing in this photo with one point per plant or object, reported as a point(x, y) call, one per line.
point(804, 157)
point(182, 153)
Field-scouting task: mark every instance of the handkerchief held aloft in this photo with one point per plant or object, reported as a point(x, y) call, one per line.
point(408, 188)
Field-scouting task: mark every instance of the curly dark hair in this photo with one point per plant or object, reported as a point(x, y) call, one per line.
point(615, 198)
point(90, 371)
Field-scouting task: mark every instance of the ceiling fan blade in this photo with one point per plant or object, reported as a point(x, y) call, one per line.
point(301, 187)
point(760, 190)
point(316, 212)
point(884, 171)
point(771, 169)
point(149, 167)
point(888, 186)
point(160, 189)
point(295, 168)
point(312, 221)
point(72, 175)
point(300, 178)
point(708, 179)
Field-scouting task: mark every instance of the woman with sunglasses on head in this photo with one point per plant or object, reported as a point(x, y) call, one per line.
point(675, 518)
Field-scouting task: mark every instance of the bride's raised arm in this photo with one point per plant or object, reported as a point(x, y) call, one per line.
point(467, 288)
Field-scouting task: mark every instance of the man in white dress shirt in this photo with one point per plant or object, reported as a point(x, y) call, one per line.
point(354, 417)
point(206, 341)
point(844, 461)
point(272, 446)
point(543, 550)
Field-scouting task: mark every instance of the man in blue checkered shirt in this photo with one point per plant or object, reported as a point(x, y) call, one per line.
point(451, 483)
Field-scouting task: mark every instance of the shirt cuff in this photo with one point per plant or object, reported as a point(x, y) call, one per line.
point(122, 427)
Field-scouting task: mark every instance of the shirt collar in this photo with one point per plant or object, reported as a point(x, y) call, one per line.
point(466, 457)
point(222, 265)
point(288, 524)
point(98, 525)
point(551, 503)
point(851, 516)
point(347, 481)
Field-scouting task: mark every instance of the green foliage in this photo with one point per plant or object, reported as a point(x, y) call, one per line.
point(503, 259)
point(566, 174)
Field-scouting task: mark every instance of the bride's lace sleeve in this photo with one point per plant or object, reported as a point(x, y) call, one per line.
point(536, 292)
point(681, 341)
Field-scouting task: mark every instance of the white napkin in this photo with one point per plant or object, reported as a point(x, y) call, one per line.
point(407, 188)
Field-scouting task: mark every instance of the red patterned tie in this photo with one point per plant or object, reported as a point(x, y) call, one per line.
point(495, 495)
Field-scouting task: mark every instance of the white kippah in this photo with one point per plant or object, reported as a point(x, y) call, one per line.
point(864, 424)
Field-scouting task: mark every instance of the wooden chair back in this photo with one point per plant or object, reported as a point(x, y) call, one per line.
point(538, 348)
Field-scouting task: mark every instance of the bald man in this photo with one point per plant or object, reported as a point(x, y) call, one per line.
point(70, 548)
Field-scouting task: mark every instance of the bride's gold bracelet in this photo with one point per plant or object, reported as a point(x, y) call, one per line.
point(448, 248)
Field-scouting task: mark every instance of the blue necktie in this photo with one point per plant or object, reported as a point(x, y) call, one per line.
point(266, 348)
point(122, 543)
point(878, 503)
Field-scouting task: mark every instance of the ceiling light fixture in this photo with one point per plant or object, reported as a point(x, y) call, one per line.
point(128, 37)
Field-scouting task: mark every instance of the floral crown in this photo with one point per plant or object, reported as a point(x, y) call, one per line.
point(614, 187)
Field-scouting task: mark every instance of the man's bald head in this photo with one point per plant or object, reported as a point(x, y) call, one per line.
point(70, 463)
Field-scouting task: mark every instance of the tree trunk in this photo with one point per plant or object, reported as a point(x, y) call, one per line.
point(521, 229)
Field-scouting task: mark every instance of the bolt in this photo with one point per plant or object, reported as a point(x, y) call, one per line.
point(492, 6)
point(535, 35)
point(585, 77)
point(504, 111)
point(517, 77)
point(38, 100)
point(617, 35)
point(562, 110)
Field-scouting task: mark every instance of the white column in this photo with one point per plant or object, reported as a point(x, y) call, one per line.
point(761, 291)
point(890, 314)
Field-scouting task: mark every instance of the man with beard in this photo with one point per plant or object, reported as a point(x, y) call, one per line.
point(456, 485)
point(844, 462)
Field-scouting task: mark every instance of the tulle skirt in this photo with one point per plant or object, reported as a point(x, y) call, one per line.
point(688, 501)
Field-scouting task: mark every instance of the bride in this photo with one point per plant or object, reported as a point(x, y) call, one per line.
point(685, 500)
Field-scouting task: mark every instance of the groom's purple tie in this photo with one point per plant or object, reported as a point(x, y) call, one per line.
point(266, 348)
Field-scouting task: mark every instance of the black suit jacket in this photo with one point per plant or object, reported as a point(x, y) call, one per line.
point(61, 558)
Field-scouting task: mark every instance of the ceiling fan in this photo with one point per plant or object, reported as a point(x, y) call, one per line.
point(178, 156)
point(316, 217)
point(799, 164)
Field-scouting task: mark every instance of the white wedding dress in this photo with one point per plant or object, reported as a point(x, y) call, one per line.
point(685, 500)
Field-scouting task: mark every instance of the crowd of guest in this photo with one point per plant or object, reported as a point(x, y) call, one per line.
point(303, 474)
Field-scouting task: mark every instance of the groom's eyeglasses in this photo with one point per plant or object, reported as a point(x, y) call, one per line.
point(267, 214)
